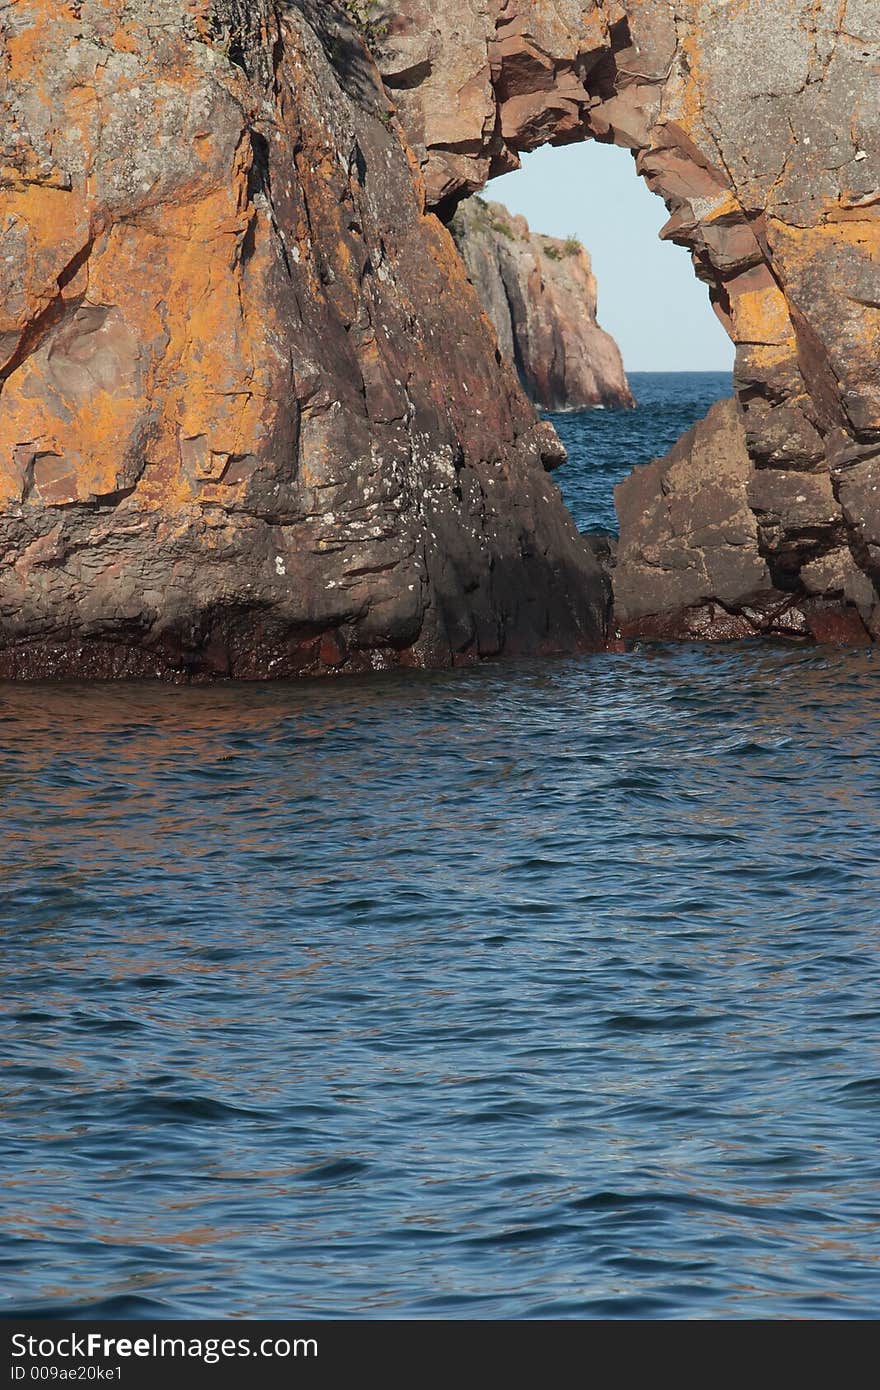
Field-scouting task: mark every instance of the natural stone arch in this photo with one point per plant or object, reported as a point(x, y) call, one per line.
point(758, 122)
point(251, 419)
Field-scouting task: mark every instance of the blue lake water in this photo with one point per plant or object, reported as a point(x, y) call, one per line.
point(541, 989)
point(603, 445)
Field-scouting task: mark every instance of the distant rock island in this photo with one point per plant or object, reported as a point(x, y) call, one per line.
point(540, 294)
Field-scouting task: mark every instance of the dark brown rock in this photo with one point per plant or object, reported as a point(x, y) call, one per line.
point(714, 549)
point(707, 622)
point(687, 532)
point(836, 625)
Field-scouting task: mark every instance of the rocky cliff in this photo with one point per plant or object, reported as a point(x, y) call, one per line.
point(252, 421)
point(540, 295)
point(758, 122)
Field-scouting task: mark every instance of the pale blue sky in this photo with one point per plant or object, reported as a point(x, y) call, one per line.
point(649, 297)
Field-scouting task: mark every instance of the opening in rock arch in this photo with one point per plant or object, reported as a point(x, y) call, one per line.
point(677, 355)
point(649, 299)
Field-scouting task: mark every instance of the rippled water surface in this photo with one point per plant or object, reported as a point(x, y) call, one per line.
point(603, 445)
point(543, 989)
point(532, 990)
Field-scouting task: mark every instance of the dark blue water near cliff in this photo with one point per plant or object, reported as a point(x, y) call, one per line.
point(539, 989)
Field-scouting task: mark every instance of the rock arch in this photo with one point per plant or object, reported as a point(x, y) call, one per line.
point(758, 122)
point(252, 421)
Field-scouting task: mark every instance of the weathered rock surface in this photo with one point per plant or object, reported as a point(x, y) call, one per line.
point(540, 295)
point(695, 529)
point(758, 122)
point(251, 418)
point(252, 421)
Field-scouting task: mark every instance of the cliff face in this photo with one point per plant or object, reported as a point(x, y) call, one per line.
point(540, 295)
point(758, 122)
point(234, 438)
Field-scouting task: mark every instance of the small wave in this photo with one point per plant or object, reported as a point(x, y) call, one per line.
point(109, 1026)
point(661, 1023)
point(338, 1170)
point(523, 1235)
point(184, 1109)
point(501, 1114)
point(117, 1306)
point(652, 1202)
point(864, 1092)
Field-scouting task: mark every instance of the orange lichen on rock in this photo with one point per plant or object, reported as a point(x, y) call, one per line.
point(233, 438)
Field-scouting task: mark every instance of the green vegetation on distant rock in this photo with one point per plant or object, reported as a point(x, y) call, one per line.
point(503, 229)
point(485, 215)
point(365, 15)
point(556, 251)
